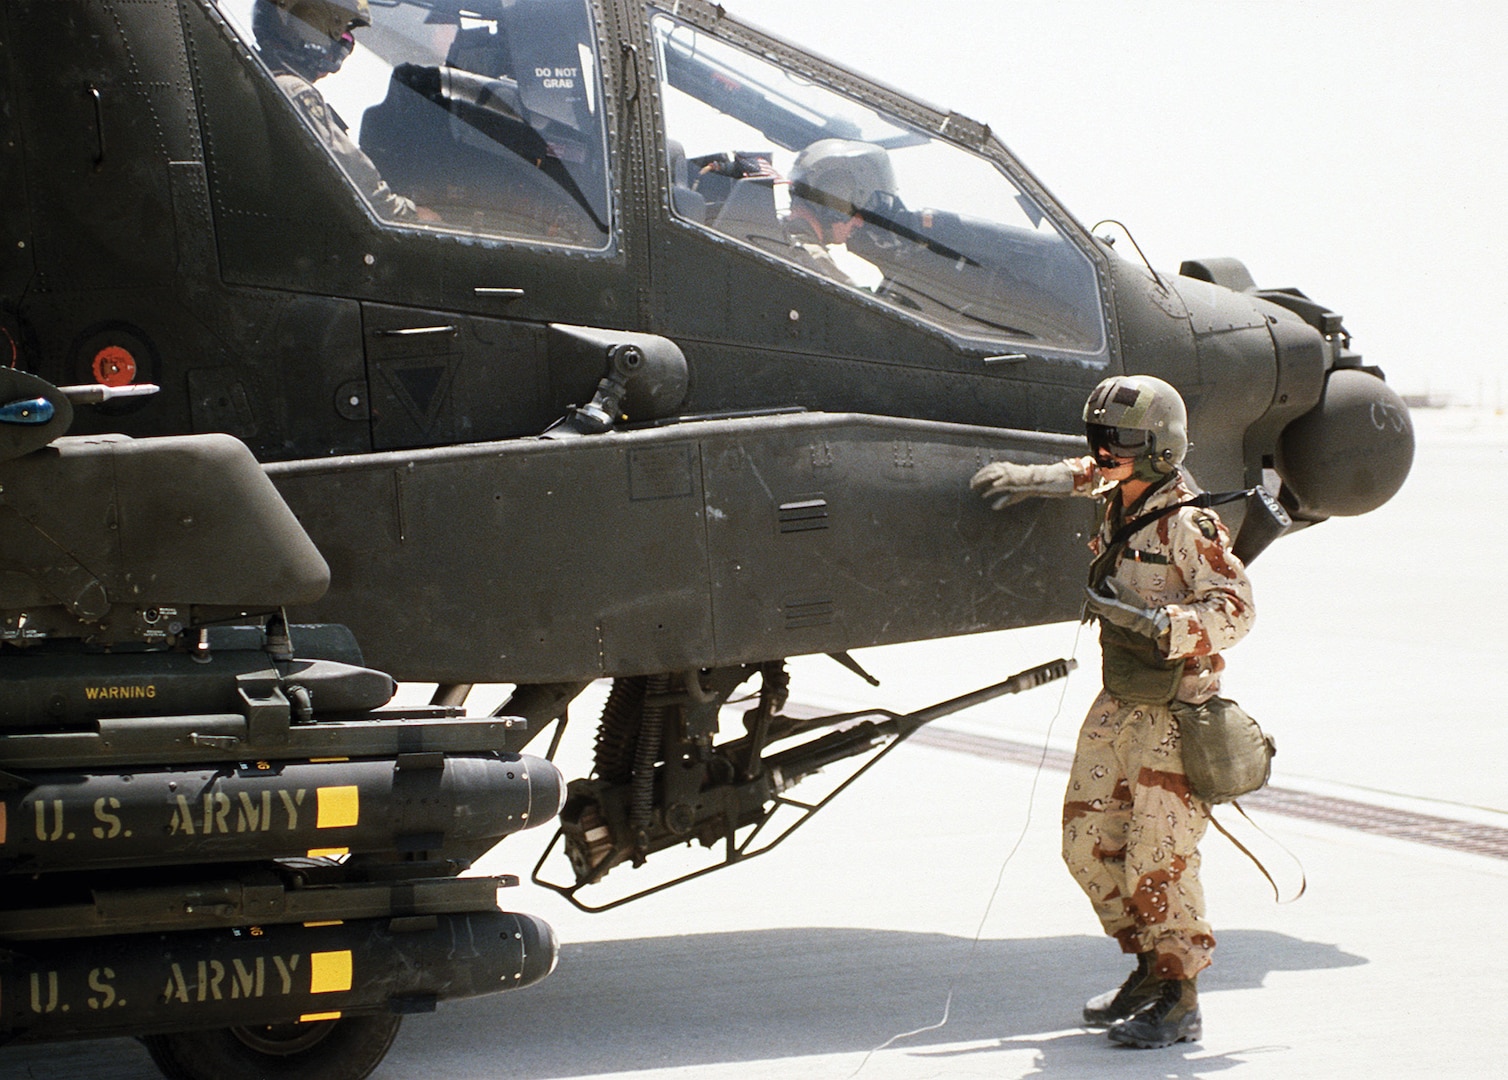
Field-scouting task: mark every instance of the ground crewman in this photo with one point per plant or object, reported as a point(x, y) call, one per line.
point(1169, 596)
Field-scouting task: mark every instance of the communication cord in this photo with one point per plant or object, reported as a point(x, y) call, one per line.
point(968, 959)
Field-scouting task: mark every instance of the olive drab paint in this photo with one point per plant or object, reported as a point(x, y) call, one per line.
point(292, 808)
point(393, 362)
point(147, 982)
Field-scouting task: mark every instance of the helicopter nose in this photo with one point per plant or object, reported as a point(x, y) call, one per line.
point(1351, 452)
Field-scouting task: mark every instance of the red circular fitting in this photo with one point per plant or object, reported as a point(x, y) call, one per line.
point(114, 366)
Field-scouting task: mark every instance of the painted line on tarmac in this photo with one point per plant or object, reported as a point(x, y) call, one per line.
point(1440, 832)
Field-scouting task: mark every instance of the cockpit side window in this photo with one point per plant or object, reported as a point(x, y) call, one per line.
point(482, 117)
point(837, 188)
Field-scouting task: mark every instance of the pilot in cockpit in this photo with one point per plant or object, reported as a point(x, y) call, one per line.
point(302, 41)
point(835, 185)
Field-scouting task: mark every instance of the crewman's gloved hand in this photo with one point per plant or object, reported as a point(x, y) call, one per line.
point(1004, 483)
point(1118, 603)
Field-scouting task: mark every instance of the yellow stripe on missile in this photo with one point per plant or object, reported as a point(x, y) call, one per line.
point(329, 972)
point(339, 807)
point(309, 1018)
point(328, 852)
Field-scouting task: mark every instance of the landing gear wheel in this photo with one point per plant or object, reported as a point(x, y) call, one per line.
point(345, 1049)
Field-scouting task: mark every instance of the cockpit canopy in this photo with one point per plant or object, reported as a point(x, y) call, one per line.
point(487, 118)
point(941, 232)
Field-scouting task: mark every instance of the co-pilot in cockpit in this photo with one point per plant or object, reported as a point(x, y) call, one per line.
point(480, 117)
point(302, 41)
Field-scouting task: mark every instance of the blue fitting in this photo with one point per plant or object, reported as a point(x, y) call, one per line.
point(36, 410)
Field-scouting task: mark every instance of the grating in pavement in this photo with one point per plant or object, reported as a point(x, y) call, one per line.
point(1488, 840)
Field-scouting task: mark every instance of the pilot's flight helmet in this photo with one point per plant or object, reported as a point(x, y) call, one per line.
point(312, 38)
point(844, 176)
point(1138, 417)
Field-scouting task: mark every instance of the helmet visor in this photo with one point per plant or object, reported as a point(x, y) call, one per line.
point(1117, 442)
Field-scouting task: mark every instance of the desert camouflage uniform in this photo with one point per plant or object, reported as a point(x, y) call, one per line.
point(332, 132)
point(1131, 827)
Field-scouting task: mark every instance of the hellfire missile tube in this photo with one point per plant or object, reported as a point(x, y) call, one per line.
point(151, 983)
point(451, 805)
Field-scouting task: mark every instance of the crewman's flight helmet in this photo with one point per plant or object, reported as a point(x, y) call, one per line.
point(311, 38)
point(844, 177)
point(1138, 417)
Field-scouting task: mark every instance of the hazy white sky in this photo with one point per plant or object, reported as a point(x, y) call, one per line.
point(1355, 150)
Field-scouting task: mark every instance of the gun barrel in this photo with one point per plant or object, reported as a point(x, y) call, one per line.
point(1022, 680)
point(791, 765)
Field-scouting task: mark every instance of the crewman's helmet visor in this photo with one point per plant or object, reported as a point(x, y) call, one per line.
point(1117, 442)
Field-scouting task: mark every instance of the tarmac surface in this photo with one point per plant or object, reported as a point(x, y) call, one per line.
point(933, 888)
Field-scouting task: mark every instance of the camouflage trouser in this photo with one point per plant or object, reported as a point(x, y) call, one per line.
point(1131, 831)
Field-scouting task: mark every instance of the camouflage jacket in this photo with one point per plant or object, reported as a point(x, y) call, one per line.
point(1183, 564)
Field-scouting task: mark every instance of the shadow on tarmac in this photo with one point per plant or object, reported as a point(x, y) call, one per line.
point(678, 1002)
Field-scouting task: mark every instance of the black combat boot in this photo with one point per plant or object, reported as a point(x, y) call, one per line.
point(1139, 988)
point(1171, 1017)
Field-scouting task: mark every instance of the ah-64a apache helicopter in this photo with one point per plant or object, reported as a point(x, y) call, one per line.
point(598, 338)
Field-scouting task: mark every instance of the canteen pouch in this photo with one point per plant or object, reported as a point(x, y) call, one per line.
point(1225, 753)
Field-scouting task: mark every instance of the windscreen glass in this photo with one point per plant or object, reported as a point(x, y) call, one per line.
point(836, 188)
point(475, 116)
